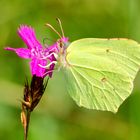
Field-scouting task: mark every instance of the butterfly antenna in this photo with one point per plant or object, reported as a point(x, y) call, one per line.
point(60, 24)
point(51, 27)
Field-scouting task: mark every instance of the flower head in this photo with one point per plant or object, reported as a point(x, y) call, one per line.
point(42, 64)
point(43, 60)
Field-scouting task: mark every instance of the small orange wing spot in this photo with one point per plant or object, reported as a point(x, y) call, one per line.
point(107, 50)
point(104, 79)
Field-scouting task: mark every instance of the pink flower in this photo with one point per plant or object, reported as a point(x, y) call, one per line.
point(43, 60)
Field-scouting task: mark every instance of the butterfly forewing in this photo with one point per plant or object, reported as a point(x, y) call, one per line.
point(100, 72)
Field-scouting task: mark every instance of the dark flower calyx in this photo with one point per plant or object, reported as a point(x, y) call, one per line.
point(33, 92)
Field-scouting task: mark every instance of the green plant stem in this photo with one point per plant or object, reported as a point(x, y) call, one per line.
point(27, 125)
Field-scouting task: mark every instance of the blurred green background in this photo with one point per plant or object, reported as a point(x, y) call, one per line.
point(57, 117)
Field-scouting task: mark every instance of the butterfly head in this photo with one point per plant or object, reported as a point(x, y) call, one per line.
point(62, 42)
point(56, 53)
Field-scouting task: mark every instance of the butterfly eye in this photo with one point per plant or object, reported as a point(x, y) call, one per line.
point(61, 44)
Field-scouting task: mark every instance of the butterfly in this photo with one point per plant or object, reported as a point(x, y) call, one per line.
point(99, 72)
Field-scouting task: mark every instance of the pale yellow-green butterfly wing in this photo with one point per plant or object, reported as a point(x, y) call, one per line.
point(100, 72)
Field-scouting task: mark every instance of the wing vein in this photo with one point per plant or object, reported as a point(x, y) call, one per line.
point(101, 89)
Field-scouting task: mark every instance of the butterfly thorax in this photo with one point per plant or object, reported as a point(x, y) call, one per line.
point(62, 53)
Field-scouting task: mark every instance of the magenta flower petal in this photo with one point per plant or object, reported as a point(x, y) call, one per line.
point(21, 52)
point(34, 52)
point(36, 69)
point(27, 34)
point(43, 60)
point(50, 71)
point(51, 68)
